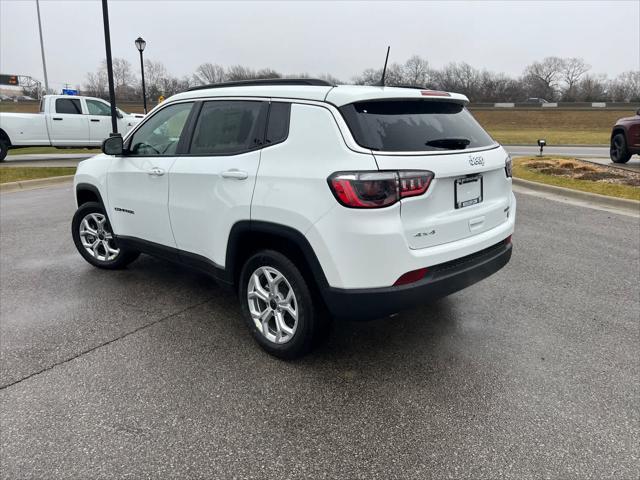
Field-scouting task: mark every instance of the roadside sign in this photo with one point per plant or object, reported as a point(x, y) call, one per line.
point(9, 80)
point(69, 91)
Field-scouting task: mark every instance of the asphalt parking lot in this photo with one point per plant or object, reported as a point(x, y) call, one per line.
point(150, 372)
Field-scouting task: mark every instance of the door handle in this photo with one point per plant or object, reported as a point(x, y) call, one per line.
point(95, 119)
point(57, 118)
point(156, 172)
point(235, 173)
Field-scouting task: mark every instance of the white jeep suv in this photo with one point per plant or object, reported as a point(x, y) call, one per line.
point(313, 201)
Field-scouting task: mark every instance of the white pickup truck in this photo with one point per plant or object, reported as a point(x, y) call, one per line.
point(63, 121)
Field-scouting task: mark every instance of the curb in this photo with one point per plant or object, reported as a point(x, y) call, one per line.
point(33, 184)
point(603, 200)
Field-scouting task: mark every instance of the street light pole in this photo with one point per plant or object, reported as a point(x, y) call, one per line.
point(107, 44)
point(140, 44)
point(44, 63)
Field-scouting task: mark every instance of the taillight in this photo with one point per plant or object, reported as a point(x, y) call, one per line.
point(414, 183)
point(377, 189)
point(508, 167)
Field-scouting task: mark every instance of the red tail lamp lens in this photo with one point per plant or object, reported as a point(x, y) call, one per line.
point(377, 189)
point(414, 183)
point(365, 189)
point(412, 276)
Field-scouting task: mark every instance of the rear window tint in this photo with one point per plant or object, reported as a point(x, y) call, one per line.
point(414, 126)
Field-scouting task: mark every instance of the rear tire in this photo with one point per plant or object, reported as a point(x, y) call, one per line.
point(278, 306)
point(618, 151)
point(93, 237)
point(4, 149)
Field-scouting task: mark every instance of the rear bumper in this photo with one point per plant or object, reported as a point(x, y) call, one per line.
point(441, 280)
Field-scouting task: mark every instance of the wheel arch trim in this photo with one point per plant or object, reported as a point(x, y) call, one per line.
point(89, 188)
point(249, 227)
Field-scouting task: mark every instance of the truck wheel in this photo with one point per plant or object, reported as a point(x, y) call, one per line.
point(4, 149)
point(93, 237)
point(277, 305)
point(618, 150)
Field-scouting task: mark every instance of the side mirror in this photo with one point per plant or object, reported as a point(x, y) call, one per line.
point(113, 145)
point(119, 114)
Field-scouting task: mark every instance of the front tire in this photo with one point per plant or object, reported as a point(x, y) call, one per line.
point(618, 151)
point(93, 237)
point(278, 306)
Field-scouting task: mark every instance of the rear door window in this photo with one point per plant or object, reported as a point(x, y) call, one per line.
point(68, 105)
point(414, 126)
point(228, 127)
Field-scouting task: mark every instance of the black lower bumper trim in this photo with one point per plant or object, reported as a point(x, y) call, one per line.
point(441, 280)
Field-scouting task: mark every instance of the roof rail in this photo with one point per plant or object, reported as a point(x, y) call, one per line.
point(266, 81)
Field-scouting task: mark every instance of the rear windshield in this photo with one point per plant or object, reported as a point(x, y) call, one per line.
point(414, 126)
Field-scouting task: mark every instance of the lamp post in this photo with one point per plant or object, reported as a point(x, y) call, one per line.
point(140, 44)
point(107, 45)
point(44, 63)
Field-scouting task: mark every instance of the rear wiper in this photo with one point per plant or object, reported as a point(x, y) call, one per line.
point(449, 143)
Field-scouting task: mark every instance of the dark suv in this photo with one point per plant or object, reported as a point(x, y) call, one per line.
point(625, 138)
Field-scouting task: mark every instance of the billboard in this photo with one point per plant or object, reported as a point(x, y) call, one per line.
point(9, 80)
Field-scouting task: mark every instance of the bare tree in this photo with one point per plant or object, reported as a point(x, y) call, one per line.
point(572, 70)
point(96, 84)
point(267, 73)
point(171, 85)
point(542, 77)
point(416, 71)
point(494, 87)
point(239, 72)
point(393, 76)
point(209, 73)
point(154, 72)
point(327, 77)
point(459, 77)
point(368, 77)
point(155, 75)
point(591, 88)
point(625, 87)
point(122, 73)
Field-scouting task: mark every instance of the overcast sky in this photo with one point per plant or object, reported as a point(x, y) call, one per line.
point(341, 38)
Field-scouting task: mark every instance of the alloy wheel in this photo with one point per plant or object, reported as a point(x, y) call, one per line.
point(272, 304)
point(97, 239)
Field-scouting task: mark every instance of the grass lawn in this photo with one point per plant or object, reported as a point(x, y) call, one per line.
point(16, 174)
point(557, 127)
point(530, 136)
point(577, 175)
point(34, 150)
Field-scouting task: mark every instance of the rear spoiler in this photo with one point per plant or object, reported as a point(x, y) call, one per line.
point(345, 94)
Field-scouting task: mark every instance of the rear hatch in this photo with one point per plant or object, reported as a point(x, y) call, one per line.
point(470, 192)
